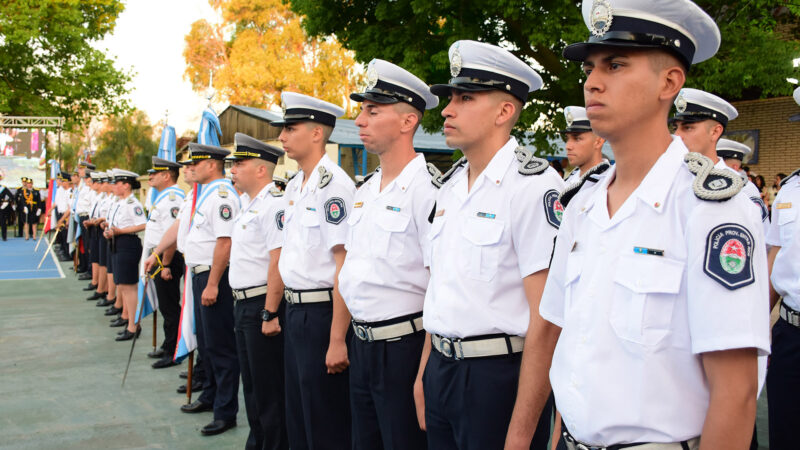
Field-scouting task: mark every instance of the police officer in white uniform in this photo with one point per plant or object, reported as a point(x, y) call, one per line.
point(258, 290)
point(784, 255)
point(318, 201)
point(82, 206)
point(125, 220)
point(584, 148)
point(385, 275)
point(492, 236)
point(163, 177)
point(657, 282)
point(207, 253)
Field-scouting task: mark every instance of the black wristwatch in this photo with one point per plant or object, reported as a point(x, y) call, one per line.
point(267, 315)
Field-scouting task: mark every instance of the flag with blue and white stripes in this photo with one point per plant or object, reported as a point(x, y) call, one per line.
point(210, 129)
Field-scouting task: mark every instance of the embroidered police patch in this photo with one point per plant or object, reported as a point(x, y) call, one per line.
point(279, 219)
point(761, 207)
point(729, 256)
point(553, 209)
point(174, 212)
point(138, 211)
point(225, 212)
point(335, 211)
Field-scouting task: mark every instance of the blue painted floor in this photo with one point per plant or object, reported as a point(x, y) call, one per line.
point(18, 261)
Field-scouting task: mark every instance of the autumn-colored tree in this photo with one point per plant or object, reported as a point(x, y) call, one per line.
point(266, 52)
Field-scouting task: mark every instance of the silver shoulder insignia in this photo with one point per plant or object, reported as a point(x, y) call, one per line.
point(712, 184)
point(530, 164)
point(275, 192)
point(172, 196)
point(589, 176)
point(130, 201)
point(325, 177)
point(441, 179)
point(222, 191)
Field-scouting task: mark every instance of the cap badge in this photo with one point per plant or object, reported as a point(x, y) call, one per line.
point(601, 17)
point(681, 104)
point(283, 106)
point(455, 62)
point(372, 76)
point(570, 118)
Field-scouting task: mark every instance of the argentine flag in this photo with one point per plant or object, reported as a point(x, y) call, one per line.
point(148, 300)
point(187, 337)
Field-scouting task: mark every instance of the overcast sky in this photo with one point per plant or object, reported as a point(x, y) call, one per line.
point(149, 38)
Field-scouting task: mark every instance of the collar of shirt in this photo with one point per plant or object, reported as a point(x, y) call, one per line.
point(262, 194)
point(652, 190)
point(493, 173)
point(402, 181)
point(313, 177)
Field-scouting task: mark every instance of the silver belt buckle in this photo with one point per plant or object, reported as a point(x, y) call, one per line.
point(446, 346)
point(287, 293)
point(363, 333)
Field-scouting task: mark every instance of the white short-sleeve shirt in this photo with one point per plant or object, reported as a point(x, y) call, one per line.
point(384, 275)
point(162, 214)
point(127, 213)
point(785, 232)
point(315, 222)
point(484, 242)
point(641, 295)
point(257, 230)
point(214, 215)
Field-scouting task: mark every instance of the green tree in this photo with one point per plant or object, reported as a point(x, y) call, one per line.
point(48, 66)
point(754, 60)
point(128, 142)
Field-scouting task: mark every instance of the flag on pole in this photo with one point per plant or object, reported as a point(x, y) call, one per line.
point(210, 129)
point(166, 150)
point(148, 300)
point(187, 333)
point(55, 169)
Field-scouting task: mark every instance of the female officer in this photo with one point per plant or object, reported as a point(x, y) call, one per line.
point(126, 219)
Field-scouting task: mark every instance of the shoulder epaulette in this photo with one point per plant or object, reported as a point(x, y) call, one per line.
point(712, 184)
point(589, 176)
point(438, 178)
point(325, 177)
point(130, 201)
point(530, 164)
point(275, 192)
point(793, 174)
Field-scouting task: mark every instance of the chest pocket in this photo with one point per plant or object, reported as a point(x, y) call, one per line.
point(787, 224)
point(199, 220)
point(645, 293)
point(311, 232)
point(355, 237)
point(483, 247)
point(388, 233)
point(248, 223)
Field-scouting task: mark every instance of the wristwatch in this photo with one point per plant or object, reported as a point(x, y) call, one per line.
point(267, 315)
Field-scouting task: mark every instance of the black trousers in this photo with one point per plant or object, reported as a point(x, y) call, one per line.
point(217, 343)
point(783, 386)
point(382, 376)
point(20, 221)
point(468, 403)
point(169, 303)
point(317, 403)
point(261, 363)
point(5, 218)
point(62, 235)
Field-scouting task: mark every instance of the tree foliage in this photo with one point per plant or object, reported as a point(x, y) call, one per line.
point(48, 66)
point(265, 52)
point(754, 61)
point(126, 141)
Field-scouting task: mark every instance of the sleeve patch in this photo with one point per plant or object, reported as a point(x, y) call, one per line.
point(279, 219)
point(138, 211)
point(225, 212)
point(729, 256)
point(761, 207)
point(553, 209)
point(335, 211)
point(174, 211)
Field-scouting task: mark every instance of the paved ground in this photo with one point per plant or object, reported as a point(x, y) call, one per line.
point(61, 373)
point(18, 261)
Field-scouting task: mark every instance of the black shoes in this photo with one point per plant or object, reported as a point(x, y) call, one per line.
point(85, 276)
point(96, 296)
point(120, 322)
point(113, 310)
point(217, 427)
point(184, 374)
point(196, 407)
point(103, 302)
point(164, 362)
point(127, 335)
point(197, 385)
point(90, 287)
point(156, 354)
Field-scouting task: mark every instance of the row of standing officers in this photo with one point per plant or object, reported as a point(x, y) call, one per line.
point(451, 303)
